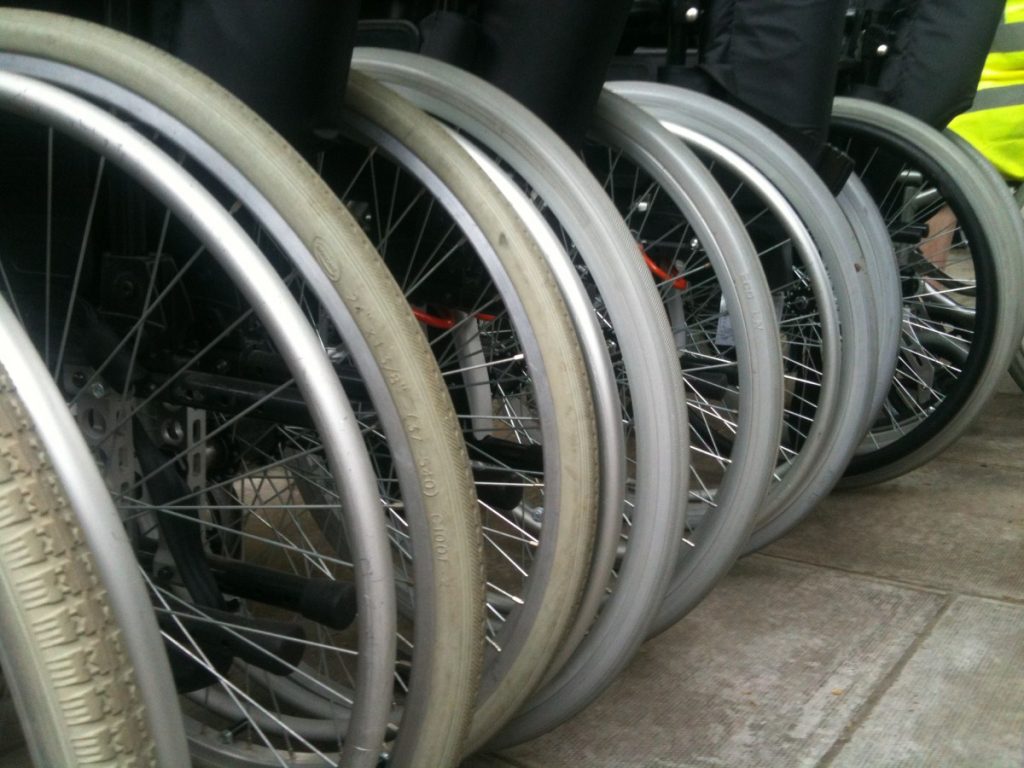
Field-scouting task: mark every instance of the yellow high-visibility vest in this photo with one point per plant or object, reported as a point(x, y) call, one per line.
point(995, 124)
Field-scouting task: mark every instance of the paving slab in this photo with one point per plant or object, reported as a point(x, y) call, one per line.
point(958, 701)
point(851, 643)
point(1007, 385)
point(955, 524)
point(996, 436)
point(768, 671)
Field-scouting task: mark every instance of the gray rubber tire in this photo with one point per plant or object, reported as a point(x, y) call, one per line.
point(1011, 204)
point(558, 373)
point(876, 247)
point(993, 206)
point(631, 309)
point(831, 442)
point(60, 643)
point(385, 339)
point(250, 280)
point(1017, 364)
point(726, 522)
point(102, 533)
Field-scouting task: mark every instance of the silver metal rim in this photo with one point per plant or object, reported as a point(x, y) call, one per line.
point(313, 373)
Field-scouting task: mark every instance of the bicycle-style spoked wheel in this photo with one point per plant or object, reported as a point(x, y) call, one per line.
point(960, 279)
point(641, 347)
point(833, 430)
point(375, 344)
point(145, 299)
point(716, 296)
point(612, 419)
point(507, 346)
point(1013, 209)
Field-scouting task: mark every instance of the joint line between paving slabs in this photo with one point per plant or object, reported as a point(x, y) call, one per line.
point(917, 586)
point(882, 687)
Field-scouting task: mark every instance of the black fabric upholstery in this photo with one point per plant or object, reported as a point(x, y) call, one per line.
point(287, 59)
point(551, 55)
point(778, 59)
point(938, 53)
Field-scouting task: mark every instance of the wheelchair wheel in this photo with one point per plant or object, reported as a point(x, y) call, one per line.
point(828, 420)
point(1017, 364)
point(876, 248)
point(66, 667)
point(505, 342)
point(610, 415)
point(960, 284)
point(724, 322)
point(628, 311)
point(199, 471)
point(345, 289)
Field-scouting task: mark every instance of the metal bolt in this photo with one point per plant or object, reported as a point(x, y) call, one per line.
point(537, 513)
point(692, 14)
point(173, 433)
point(882, 50)
point(98, 390)
point(126, 288)
point(642, 206)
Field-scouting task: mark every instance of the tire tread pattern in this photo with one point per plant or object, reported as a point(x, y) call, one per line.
point(56, 613)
